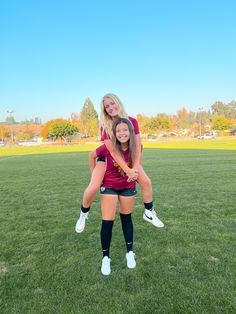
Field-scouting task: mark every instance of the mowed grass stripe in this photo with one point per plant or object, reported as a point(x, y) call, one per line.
point(227, 143)
point(186, 267)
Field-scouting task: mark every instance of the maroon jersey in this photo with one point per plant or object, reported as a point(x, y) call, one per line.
point(114, 177)
point(105, 136)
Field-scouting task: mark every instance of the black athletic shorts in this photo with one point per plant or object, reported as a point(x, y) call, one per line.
point(124, 192)
point(103, 159)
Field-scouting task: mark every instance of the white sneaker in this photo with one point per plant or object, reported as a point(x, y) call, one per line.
point(131, 263)
point(80, 224)
point(151, 216)
point(106, 267)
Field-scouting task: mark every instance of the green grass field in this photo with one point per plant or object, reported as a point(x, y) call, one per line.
point(189, 266)
point(226, 143)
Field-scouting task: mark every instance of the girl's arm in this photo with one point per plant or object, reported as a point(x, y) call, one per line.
point(138, 151)
point(92, 160)
point(132, 173)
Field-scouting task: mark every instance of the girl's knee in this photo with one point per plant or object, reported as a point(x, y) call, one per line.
point(145, 182)
point(92, 189)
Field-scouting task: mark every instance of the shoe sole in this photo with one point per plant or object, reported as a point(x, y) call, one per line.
point(78, 230)
point(131, 267)
point(151, 222)
point(105, 274)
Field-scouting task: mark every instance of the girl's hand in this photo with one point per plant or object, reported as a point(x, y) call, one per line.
point(132, 174)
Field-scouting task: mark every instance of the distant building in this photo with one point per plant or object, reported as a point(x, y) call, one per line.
point(233, 132)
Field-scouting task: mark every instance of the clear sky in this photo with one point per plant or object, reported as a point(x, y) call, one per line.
point(156, 55)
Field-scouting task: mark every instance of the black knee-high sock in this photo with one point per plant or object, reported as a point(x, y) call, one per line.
point(127, 227)
point(106, 233)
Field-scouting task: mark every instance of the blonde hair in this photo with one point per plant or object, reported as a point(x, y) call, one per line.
point(106, 121)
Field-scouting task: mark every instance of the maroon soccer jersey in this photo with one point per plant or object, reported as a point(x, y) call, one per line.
point(105, 136)
point(114, 177)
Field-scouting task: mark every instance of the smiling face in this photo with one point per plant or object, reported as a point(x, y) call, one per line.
point(123, 134)
point(111, 107)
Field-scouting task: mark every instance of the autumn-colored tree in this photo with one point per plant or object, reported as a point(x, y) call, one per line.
point(220, 122)
point(4, 133)
point(45, 131)
point(163, 121)
point(24, 136)
point(141, 121)
point(182, 115)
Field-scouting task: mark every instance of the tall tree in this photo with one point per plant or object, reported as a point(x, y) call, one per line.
point(88, 119)
point(232, 110)
point(141, 121)
point(10, 120)
point(182, 116)
point(218, 107)
point(88, 112)
point(227, 110)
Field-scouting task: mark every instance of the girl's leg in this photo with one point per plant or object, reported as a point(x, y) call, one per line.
point(94, 185)
point(146, 190)
point(90, 194)
point(108, 203)
point(126, 206)
point(145, 184)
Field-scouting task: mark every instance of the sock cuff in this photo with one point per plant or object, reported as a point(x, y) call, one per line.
point(148, 205)
point(84, 209)
point(125, 217)
point(107, 222)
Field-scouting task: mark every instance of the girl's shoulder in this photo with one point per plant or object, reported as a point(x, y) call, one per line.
point(135, 124)
point(132, 119)
point(102, 150)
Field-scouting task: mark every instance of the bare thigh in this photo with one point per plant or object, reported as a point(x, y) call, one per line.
point(108, 204)
point(126, 204)
point(97, 175)
point(143, 179)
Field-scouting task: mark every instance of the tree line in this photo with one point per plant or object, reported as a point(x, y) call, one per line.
point(221, 116)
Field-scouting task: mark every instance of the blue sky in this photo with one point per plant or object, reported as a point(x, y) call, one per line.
point(157, 56)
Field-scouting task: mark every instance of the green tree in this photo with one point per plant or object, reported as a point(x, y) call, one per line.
point(155, 124)
point(24, 136)
point(182, 116)
point(88, 119)
point(232, 109)
point(163, 122)
point(88, 112)
point(10, 120)
point(60, 129)
point(149, 126)
point(227, 110)
point(220, 122)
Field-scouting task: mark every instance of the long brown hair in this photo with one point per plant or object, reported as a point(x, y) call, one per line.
point(131, 143)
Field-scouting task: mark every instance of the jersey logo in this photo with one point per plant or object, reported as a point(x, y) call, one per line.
point(102, 188)
point(119, 169)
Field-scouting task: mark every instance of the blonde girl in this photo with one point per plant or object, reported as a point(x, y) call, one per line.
point(111, 109)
